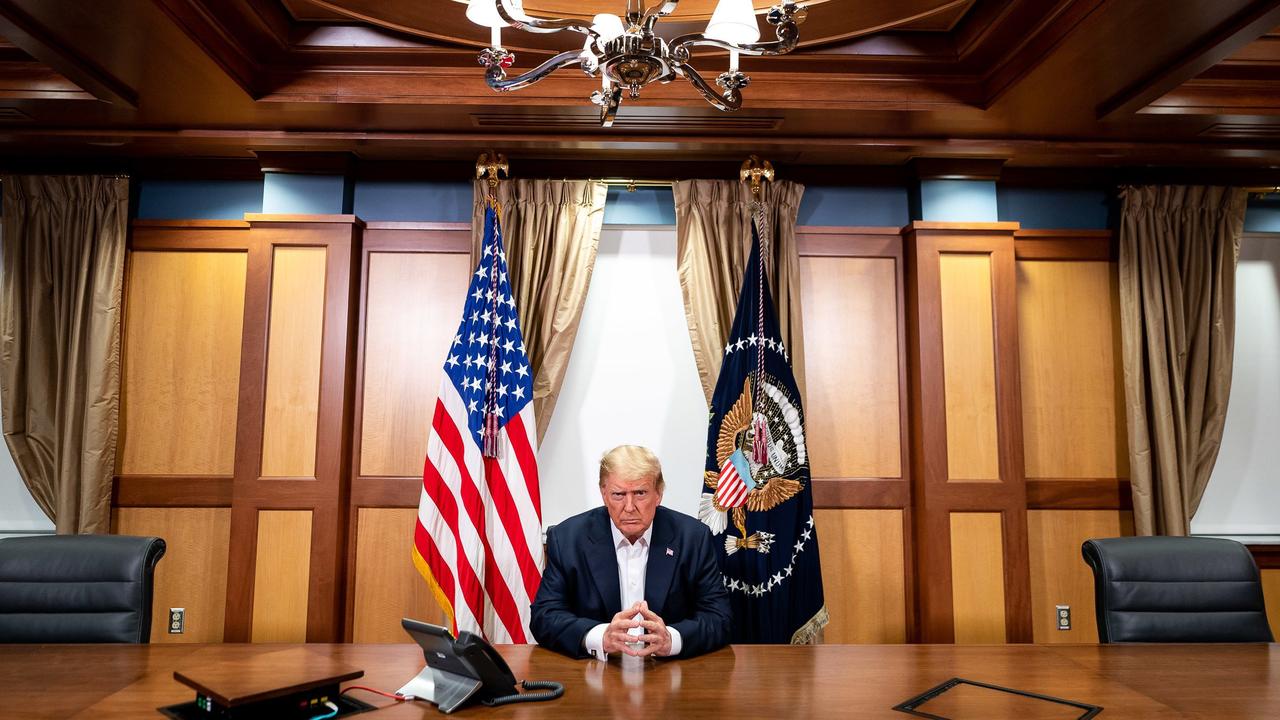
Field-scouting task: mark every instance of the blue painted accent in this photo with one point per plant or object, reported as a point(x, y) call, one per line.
point(305, 194)
point(1050, 209)
point(645, 206)
point(958, 200)
point(854, 207)
point(414, 201)
point(1262, 216)
point(198, 199)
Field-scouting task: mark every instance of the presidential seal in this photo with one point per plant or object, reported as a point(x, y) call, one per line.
point(760, 448)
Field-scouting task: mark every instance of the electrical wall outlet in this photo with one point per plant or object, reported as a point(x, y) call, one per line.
point(1064, 617)
point(177, 620)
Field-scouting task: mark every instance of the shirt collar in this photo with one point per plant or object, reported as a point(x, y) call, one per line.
point(620, 540)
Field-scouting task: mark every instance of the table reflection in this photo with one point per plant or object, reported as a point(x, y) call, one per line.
point(633, 687)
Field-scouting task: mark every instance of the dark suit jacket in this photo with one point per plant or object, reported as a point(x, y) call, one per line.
point(580, 583)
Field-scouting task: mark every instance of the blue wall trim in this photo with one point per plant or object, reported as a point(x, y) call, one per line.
point(958, 200)
point(1050, 209)
point(414, 201)
point(643, 206)
point(423, 201)
point(306, 194)
point(198, 199)
point(1262, 216)
point(854, 207)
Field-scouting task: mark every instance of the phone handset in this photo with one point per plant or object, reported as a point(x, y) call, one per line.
point(498, 683)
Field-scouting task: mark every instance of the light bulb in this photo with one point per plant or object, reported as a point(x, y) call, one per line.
point(607, 27)
point(733, 21)
point(485, 12)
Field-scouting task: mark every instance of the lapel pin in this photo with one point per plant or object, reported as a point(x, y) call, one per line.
point(671, 552)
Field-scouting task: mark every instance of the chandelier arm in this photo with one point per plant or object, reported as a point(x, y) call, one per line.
point(536, 25)
point(680, 45)
point(658, 11)
point(726, 102)
point(609, 106)
point(496, 75)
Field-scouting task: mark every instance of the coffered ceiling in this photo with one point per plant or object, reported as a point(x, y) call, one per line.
point(1038, 83)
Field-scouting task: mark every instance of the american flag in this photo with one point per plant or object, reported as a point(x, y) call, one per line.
point(731, 492)
point(478, 539)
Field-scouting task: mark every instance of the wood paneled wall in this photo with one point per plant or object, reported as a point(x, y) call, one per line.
point(852, 300)
point(1271, 594)
point(184, 312)
point(236, 423)
point(1073, 419)
point(192, 575)
point(414, 288)
point(968, 485)
point(276, 419)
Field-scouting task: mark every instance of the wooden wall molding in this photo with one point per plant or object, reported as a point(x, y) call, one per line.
point(861, 493)
point(1075, 494)
point(171, 491)
point(1084, 245)
point(1266, 556)
point(936, 498)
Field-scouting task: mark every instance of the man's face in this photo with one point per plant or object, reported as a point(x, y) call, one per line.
point(631, 504)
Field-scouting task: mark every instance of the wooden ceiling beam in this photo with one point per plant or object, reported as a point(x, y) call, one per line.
point(1254, 21)
point(42, 44)
point(232, 50)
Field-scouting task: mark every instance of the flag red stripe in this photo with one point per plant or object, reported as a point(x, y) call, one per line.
point(732, 496)
point(518, 435)
point(494, 584)
point(472, 595)
point(439, 567)
point(731, 491)
point(442, 496)
point(510, 517)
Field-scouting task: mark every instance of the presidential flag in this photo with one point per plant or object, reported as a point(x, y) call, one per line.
point(756, 495)
point(478, 539)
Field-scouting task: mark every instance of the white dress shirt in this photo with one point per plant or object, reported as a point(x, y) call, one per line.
point(633, 561)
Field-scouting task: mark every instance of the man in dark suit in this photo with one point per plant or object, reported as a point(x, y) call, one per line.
point(631, 577)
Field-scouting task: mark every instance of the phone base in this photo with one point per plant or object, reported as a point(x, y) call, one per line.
point(447, 690)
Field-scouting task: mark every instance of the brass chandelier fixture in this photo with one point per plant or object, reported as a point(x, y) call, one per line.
point(626, 54)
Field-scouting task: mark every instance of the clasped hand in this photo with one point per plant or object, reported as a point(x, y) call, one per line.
point(655, 637)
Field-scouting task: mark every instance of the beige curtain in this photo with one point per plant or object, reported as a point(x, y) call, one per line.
point(1178, 250)
point(713, 242)
point(551, 229)
point(64, 245)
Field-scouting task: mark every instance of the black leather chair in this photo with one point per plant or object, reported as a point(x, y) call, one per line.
point(1176, 589)
point(77, 588)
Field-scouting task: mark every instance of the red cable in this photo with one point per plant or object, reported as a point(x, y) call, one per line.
point(394, 696)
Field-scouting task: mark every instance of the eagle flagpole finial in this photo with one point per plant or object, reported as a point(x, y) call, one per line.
point(492, 165)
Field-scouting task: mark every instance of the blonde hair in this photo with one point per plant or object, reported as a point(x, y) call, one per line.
point(631, 462)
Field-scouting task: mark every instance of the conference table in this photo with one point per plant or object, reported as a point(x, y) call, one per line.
point(737, 682)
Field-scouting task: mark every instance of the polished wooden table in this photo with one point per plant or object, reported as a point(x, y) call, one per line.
point(744, 681)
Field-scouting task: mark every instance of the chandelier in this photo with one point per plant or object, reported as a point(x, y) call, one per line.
point(627, 55)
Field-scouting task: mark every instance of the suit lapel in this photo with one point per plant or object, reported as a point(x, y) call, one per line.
point(663, 554)
point(602, 558)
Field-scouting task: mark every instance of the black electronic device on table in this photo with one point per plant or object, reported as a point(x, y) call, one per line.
point(468, 668)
